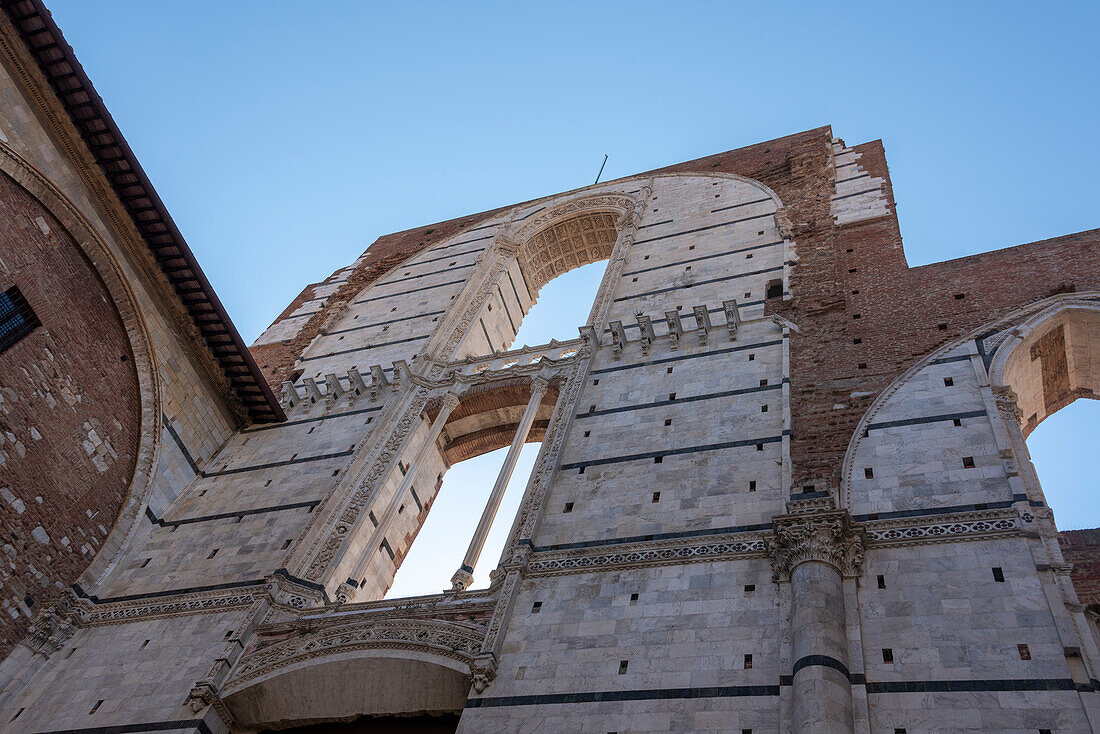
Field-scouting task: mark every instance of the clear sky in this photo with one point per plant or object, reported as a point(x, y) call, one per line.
point(284, 138)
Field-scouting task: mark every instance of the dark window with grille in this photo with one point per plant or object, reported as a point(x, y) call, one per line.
point(16, 318)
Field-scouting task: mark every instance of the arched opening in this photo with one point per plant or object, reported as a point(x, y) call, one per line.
point(1063, 451)
point(558, 266)
point(430, 562)
point(562, 268)
point(365, 686)
point(1056, 362)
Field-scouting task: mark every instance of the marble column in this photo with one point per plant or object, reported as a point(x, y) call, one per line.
point(464, 576)
point(814, 552)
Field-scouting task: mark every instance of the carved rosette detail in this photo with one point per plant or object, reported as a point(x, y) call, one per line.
point(828, 537)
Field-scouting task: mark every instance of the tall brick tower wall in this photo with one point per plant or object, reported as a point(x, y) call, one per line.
point(782, 486)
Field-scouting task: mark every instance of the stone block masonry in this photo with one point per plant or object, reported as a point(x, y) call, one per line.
point(783, 484)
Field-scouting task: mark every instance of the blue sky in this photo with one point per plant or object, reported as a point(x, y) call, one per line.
point(286, 138)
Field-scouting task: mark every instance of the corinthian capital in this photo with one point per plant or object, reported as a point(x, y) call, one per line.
point(826, 537)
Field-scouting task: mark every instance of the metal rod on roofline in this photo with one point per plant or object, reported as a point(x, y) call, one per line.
point(601, 169)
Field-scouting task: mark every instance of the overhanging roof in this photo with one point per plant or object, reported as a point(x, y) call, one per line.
point(100, 133)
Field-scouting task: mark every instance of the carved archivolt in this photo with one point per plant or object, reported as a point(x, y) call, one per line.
point(450, 639)
point(827, 537)
point(621, 204)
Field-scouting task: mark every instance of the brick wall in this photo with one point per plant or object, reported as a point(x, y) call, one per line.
point(841, 272)
point(68, 412)
point(1082, 549)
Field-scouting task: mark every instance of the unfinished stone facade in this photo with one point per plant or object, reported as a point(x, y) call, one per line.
point(782, 486)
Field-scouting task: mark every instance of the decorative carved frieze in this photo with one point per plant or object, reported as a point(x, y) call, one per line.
point(121, 612)
point(459, 641)
point(826, 537)
point(652, 553)
point(958, 526)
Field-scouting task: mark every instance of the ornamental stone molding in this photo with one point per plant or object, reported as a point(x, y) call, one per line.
point(50, 630)
point(1008, 405)
point(827, 537)
point(334, 533)
point(457, 640)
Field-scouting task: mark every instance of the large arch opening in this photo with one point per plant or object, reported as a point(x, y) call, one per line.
point(543, 296)
point(1056, 362)
point(357, 685)
point(559, 265)
point(474, 443)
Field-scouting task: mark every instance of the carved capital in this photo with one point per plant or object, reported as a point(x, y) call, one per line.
point(54, 626)
point(482, 672)
point(1007, 404)
point(827, 537)
point(450, 402)
point(538, 386)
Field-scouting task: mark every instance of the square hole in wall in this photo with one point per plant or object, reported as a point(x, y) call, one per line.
point(749, 256)
point(887, 655)
point(941, 327)
point(748, 295)
point(658, 459)
point(536, 607)
point(568, 507)
point(656, 497)
point(623, 666)
point(749, 588)
point(998, 574)
point(668, 421)
point(763, 383)
point(857, 340)
point(595, 382)
point(581, 470)
point(948, 382)
point(747, 662)
point(752, 357)
point(692, 247)
point(968, 462)
point(956, 421)
point(672, 396)
point(587, 434)
point(868, 473)
point(634, 280)
point(634, 598)
point(881, 581)
point(212, 554)
point(759, 447)
point(668, 370)
point(1025, 654)
point(752, 485)
point(763, 408)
